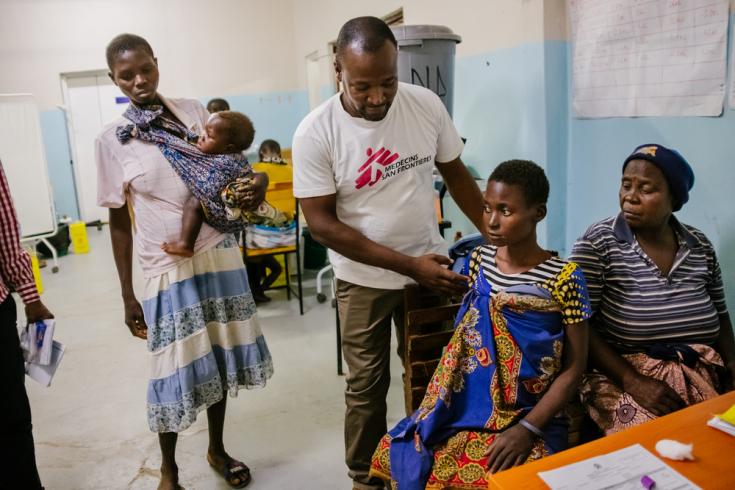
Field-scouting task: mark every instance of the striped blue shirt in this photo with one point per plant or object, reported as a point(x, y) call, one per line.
point(635, 305)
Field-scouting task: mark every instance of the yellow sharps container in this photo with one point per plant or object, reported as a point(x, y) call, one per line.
point(78, 235)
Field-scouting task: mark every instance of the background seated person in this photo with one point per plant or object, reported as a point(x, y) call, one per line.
point(217, 105)
point(264, 271)
point(516, 357)
point(662, 337)
point(270, 152)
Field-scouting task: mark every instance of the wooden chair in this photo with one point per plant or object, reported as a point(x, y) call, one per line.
point(429, 324)
point(280, 195)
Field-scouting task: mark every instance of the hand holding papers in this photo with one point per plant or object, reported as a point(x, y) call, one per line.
point(41, 353)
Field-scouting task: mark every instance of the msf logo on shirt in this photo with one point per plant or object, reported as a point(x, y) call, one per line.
point(371, 171)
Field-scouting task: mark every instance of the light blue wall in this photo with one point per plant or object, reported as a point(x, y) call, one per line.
point(598, 148)
point(497, 97)
point(515, 103)
point(557, 139)
point(58, 159)
point(512, 103)
point(275, 116)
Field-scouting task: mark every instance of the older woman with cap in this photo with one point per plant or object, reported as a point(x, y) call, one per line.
point(661, 337)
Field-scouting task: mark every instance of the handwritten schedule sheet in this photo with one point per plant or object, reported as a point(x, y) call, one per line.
point(648, 57)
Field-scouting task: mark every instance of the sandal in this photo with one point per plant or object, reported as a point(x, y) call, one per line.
point(235, 473)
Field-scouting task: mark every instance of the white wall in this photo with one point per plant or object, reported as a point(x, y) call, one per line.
point(204, 48)
point(232, 47)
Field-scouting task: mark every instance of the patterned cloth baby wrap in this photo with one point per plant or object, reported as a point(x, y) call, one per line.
point(217, 181)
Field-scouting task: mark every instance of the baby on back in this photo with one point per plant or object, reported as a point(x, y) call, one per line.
point(225, 133)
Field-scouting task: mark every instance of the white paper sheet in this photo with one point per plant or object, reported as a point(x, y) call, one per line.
point(618, 470)
point(648, 58)
point(36, 342)
point(718, 423)
point(44, 374)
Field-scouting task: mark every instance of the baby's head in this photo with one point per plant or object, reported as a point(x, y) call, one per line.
point(226, 132)
point(270, 152)
point(515, 202)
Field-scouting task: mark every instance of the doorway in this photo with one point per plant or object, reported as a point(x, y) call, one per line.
point(91, 101)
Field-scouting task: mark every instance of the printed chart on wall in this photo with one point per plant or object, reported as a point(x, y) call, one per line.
point(648, 57)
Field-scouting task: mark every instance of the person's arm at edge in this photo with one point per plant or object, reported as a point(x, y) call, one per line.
point(463, 189)
point(15, 263)
point(725, 343)
point(726, 347)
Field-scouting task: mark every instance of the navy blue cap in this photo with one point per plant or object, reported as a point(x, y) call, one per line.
point(677, 171)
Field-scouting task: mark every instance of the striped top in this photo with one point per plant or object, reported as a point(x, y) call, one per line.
point(634, 303)
point(15, 264)
point(562, 279)
point(499, 280)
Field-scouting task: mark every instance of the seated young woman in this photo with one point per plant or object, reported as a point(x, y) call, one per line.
point(516, 358)
point(661, 337)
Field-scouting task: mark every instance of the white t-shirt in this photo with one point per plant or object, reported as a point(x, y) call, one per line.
point(139, 174)
point(381, 173)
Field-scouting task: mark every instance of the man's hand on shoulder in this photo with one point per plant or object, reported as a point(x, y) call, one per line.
point(429, 270)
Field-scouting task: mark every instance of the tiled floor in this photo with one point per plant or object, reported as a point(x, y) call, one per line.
point(90, 425)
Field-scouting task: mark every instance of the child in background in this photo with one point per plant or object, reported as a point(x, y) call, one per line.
point(226, 133)
point(264, 271)
point(514, 361)
point(217, 105)
point(270, 152)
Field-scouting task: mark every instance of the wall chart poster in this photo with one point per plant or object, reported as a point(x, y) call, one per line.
point(648, 57)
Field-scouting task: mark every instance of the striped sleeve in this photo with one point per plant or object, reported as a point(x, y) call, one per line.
point(587, 255)
point(715, 288)
point(15, 263)
point(714, 284)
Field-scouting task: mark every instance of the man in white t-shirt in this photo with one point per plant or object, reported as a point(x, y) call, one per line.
point(363, 165)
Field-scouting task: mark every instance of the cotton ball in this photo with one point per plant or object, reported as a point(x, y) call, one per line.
point(674, 450)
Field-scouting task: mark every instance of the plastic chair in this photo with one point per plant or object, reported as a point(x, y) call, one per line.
point(320, 296)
